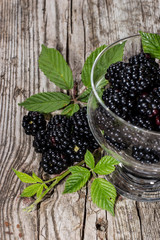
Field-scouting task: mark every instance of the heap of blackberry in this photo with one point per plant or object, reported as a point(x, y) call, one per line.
point(133, 93)
point(63, 141)
point(145, 155)
point(33, 122)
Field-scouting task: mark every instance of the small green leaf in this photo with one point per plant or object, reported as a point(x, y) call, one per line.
point(37, 178)
point(89, 159)
point(30, 190)
point(85, 95)
point(86, 71)
point(77, 180)
point(46, 102)
point(24, 177)
point(53, 65)
point(151, 44)
point(105, 165)
point(78, 169)
point(103, 194)
point(70, 109)
point(39, 191)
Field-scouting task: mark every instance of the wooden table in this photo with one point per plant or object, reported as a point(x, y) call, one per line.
point(75, 28)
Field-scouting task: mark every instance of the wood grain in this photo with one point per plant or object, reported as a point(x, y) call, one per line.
point(75, 28)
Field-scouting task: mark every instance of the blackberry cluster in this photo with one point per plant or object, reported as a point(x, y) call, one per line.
point(133, 93)
point(33, 122)
point(63, 141)
point(145, 155)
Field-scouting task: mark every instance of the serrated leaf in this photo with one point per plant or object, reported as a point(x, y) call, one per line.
point(86, 71)
point(85, 95)
point(30, 190)
point(54, 66)
point(102, 83)
point(78, 169)
point(24, 177)
point(151, 44)
point(46, 102)
point(89, 159)
point(37, 178)
point(105, 165)
point(76, 181)
point(103, 194)
point(70, 109)
point(39, 191)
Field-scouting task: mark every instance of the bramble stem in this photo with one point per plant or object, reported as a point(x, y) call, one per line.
point(56, 180)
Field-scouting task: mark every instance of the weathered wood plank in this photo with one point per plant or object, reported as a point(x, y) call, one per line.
point(75, 28)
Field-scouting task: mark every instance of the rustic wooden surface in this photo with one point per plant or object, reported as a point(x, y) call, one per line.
point(75, 28)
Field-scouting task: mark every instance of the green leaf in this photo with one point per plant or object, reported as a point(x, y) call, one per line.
point(103, 194)
point(77, 180)
point(102, 83)
point(85, 95)
point(30, 190)
point(53, 65)
point(105, 165)
point(70, 109)
point(46, 102)
point(151, 44)
point(89, 159)
point(86, 71)
point(24, 177)
point(78, 169)
point(39, 191)
point(37, 178)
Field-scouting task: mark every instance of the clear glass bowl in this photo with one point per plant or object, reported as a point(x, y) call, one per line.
point(133, 179)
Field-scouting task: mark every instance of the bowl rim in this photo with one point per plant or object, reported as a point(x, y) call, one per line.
point(153, 133)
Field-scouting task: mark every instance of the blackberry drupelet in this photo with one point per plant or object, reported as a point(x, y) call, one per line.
point(145, 155)
point(33, 122)
point(41, 142)
point(54, 162)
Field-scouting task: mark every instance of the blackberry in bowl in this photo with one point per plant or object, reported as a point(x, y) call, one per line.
point(124, 117)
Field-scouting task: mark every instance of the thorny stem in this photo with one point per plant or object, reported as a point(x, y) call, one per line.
point(56, 180)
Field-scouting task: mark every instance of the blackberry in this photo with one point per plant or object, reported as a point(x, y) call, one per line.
point(113, 138)
point(33, 122)
point(56, 136)
point(54, 162)
point(41, 142)
point(145, 155)
point(77, 149)
point(118, 102)
point(81, 128)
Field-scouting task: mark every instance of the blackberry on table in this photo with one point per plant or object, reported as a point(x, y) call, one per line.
point(57, 135)
point(33, 122)
point(54, 162)
point(145, 155)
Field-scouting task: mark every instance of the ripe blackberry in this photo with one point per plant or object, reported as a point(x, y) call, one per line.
point(33, 122)
point(118, 102)
point(81, 128)
point(113, 138)
point(145, 155)
point(59, 131)
point(41, 142)
point(54, 162)
point(77, 149)
point(57, 136)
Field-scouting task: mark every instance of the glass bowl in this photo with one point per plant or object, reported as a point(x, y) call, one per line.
point(132, 178)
